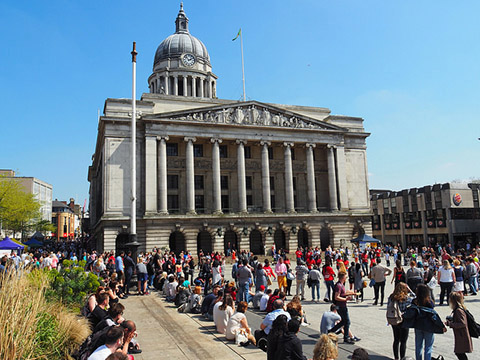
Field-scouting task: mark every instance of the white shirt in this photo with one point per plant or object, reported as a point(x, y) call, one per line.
point(216, 311)
point(233, 325)
point(264, 302)
point(221, 320)
point(446, 275)
point(101, 353)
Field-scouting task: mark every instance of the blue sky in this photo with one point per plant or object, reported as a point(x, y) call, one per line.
point(409, 68)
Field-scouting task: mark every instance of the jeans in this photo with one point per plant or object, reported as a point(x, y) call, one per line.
point(365, 268)
point(128, 279)
point(150, 280)
point(330, 287)
point(243, 292)
point(379, 286)
point(445, 287)
point(400, 337)
point(421, 337)
point(301, 288)
point(472, 283)
point(316, 285)
point(345, 322)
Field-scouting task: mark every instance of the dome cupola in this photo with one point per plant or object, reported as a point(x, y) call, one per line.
point(182, 65)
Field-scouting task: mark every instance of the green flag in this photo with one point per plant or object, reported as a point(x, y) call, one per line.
point(239, 33)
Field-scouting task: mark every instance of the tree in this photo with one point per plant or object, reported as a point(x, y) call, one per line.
point(44, 226)
point(18, 210)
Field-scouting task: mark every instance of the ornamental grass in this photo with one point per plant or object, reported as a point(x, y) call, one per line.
point(32, 327)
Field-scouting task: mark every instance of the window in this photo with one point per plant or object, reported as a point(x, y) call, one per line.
point(248, 182)
point(225, 204)
point(199, 203)
point(272, 202)
point(249, 200)
point(270, 153)
point(172, 149)
point(272, 183)
point(294, 183)
point(198, 182)
point(223, 151)
point(248, 152)
point(172, 181)
point(172, 203)
point(197, 150)
point(224, 182)
point(475, 198)
point(293, 153)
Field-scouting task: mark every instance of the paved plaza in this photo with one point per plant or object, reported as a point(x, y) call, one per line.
point(162, 330)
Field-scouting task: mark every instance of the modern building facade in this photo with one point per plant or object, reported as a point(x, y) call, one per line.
point(32, 185)
point(430, 215)
point(214, 173)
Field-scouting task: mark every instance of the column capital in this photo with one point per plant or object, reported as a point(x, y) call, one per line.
point(163, 137)
point(310, 145)
point(189, 139)
point(265, 142)
point(241, 141)
point(331, 146)
point(288, 144)
point(216, 140)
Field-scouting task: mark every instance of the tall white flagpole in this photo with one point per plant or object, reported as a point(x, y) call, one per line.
point(133, 213)
point(243, 66)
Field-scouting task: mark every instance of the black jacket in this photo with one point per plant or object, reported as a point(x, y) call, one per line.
point(290, 348)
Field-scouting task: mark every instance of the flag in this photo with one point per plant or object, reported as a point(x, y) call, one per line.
point(239, 34)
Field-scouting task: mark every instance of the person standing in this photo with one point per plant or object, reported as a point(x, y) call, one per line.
point(378, 274)
point(281, 271)
point(458, 322)
point(301, 272)
point(446, 278)
point(328, 276)
point(358, 279)
point(129, 269)
point(340, 298)
point(315, 277)
point(245, 277)
point(458, 269)
point(260, 278)
point(399, 300)
point(471, 273)
point(414, 275)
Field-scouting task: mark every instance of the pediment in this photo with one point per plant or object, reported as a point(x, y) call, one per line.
point(250, 113)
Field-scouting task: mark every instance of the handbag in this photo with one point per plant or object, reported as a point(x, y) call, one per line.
point(365, 284)
point(269, 281)
point(241, 338)
point(372, 282)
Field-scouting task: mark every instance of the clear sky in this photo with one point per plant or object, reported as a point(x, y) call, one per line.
point(409, 68)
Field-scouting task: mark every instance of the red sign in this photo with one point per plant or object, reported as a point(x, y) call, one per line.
point(457, 199)
point(65, 235)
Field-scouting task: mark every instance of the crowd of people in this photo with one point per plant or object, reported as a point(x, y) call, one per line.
point(200, 285)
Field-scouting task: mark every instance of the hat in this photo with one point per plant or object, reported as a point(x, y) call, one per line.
point(262, 288)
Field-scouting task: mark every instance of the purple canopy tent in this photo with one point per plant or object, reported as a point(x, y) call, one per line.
point(8, 244)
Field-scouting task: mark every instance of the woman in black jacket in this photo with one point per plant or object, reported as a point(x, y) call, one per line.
point(279, 328)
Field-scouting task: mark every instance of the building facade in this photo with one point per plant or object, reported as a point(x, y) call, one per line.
point(430, 215)
point(32, 185)
point(64, 218)
point(214, 173)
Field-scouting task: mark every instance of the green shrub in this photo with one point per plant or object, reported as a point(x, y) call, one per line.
point(71, 284)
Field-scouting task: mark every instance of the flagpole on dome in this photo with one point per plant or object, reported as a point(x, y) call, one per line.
point(243, 65)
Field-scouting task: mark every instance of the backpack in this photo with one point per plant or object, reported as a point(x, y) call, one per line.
point(394, 315)
point(91, 343)
point(473, 326)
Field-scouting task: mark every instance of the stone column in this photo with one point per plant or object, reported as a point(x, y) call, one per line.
point(190, 175)
point(150, 174)
point(162, 174)
point(185, 86)
point(242, 188)
point(289, 196)
point(332, 181)
point(167, 84)
point(312, 194)
point(341, 177)
point(217, 189)
point(267, 205)
point(201, 87)
point(175, 85)
point(194, 86)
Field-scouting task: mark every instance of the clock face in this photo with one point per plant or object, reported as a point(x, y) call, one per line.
point(188, 59)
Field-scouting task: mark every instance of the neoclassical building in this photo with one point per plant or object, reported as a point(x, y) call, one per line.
point(213, 173)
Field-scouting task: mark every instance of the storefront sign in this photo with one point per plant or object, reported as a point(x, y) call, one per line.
point(457, 199)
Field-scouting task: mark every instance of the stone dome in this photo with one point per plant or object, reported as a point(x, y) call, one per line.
point(181, 43)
